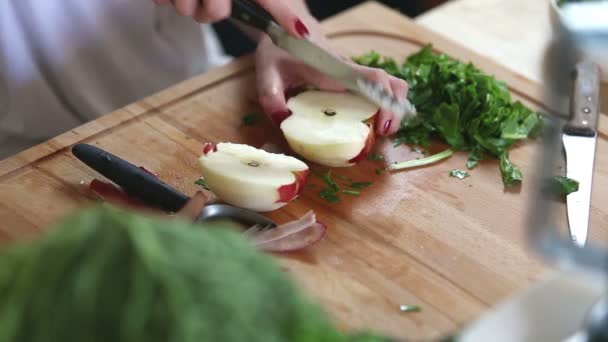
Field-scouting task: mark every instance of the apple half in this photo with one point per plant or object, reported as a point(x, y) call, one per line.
point(251, 178)
point(334, 129)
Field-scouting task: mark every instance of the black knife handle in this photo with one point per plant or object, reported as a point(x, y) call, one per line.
point(252, 14)
point(585, 102)
point(135, 181)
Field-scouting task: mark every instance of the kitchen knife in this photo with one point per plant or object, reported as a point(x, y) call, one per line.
point(579, 138)
point(135, 181)
point(250, 13)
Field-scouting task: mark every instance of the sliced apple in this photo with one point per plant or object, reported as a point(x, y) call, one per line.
point(330, 128)
point(247, 177)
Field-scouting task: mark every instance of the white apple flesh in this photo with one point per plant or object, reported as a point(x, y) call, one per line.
point(334, 129)
point(251, 178)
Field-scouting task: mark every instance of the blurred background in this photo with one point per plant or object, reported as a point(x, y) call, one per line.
point(237, 44)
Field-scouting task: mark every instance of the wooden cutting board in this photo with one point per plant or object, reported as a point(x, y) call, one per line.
point(453, 247)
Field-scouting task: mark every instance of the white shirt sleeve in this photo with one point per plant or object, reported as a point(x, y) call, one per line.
point(64, 62)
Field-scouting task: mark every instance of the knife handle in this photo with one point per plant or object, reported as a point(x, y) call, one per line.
point(585, 100)
point(135, 181)
point(252, 14)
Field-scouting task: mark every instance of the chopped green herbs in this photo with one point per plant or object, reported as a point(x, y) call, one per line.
point(331, 192)
point(460, 174)
point(409, 308)
point(352, 192)
point(360, 185)
point(421, 162)
point(203, 183)
point(330, 195)
point(460, 105)
point(564, 185)
point(375, 157)
point(511, 174)
point(252, 119)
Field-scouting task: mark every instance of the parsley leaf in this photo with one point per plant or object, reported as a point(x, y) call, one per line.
point(360, 185)
point(410, 308)
point(203, 183)
point(331, 193)
point(352, 192)
point(375, 157)
point(460, 174)
point(564, 185)
point(511, 174)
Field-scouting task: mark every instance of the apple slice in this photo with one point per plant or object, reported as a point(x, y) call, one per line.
point(330, 128)
point(247, 177)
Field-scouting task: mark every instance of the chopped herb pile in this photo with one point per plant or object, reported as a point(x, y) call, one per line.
point(462, 106)
point(564, 185)
point(252, 119)
point(203, 183)
point(460, 174)
point(331, 192)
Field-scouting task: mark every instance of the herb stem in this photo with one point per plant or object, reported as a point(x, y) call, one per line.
point(421, 162)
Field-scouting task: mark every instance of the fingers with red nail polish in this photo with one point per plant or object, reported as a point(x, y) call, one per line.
point(301, 29)
point(386, 127)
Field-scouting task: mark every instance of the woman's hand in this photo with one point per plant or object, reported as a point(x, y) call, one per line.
point(209, 11)
point(278, 73)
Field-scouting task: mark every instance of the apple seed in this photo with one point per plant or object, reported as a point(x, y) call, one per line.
point(329, 112)
point(253, 163)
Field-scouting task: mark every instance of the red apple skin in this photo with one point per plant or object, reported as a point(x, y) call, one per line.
point(288, 192)
point(208, 147)
point(279, 117)
point(369, 143)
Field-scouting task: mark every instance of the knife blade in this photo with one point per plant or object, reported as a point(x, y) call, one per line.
point(330, 65)
point(579, 138)
point(315, 56)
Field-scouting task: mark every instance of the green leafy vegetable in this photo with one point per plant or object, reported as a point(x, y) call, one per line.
point(410, 308)
point(511, 174)
point(203, 183)
point(461, 105)
point(111, 275)
point(421, 162)
point(352, 192)
point(564, 185)
point(331, 192)
point(252, 119)
point(460, 174)
point(361, 185)
point(375, 157)
point(330, 195)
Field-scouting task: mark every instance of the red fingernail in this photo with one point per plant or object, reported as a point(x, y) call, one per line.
point(387, 126)
point(301, 28)
point(280, 116)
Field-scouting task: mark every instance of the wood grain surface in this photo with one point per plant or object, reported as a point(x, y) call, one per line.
point(453, 247)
